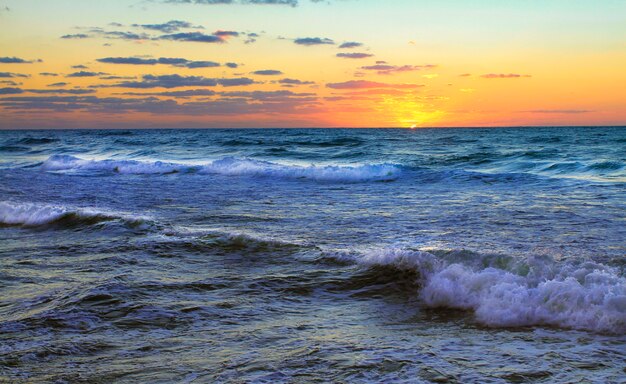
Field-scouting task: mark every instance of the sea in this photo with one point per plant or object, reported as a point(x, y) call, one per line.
point(464, 255)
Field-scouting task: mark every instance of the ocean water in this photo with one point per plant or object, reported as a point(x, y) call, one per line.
point(302, 255)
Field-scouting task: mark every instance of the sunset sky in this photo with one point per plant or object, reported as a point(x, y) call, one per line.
point(304, 63)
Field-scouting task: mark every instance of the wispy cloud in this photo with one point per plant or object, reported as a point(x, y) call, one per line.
point(313, 41)
point(354, 55)
point(503, 76)
point(16, 60)
point(175, 81)
point(385, 69)
point(350, 44)
point(85, 74)
point(267, 72)
point(363, 84)
point(173, 61)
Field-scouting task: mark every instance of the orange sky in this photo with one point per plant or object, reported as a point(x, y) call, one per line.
point(175, 63)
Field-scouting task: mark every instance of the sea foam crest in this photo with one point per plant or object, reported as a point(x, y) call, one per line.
point(233, 167)
point(587, 296)
point(31, 215)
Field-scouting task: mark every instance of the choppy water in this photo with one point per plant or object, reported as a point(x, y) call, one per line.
point(440, 255)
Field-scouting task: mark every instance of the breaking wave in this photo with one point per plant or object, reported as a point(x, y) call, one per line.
point(505, 292)
point(35, 215)
point(231, 166)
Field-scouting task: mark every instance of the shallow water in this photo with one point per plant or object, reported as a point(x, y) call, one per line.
point(440, 255)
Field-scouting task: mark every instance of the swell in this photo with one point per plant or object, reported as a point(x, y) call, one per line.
point(507, 292)
point(43, 215)
point(230, 166)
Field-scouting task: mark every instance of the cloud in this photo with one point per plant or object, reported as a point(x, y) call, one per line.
point(386, 69)
point(175, 81)
point(226, 34)
point(465, 75)
point(235, 82)
point(9, 83)
point(354, 55)
point(79, 66)
point(267, 72)
point(14, 60)
point(294, 81)
point(308, 41)
point(75, 36)
point(62, 91)
point(267, 95)
point(11, 74)
point(85, 74)
point(182, 94)
point(502, 76)
point(169, 27)
point(350, 44)
point(291, 3)
point(197, 37)
point(60, 84)
point(364, 84)
point(10, 91)
point(232, 65)
point(561, 111)
point(174, 61)
point(110, 105)
point(48, 74)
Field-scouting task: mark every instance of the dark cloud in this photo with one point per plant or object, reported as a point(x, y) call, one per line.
point(232, 65)
point(123, 35)
point(235, 82)
point(11, 74)
point(118, 77)
point(266, 95)
point(174, 61)
point(364, 84)
point(10, 91)
point(48, 74)
point(60, 84)
point(62, 91)
point(14, 60)
point(175, 81)
point(354, 55)
point(183, 94)
point(294, 81)
point(502, 76)
point(268, 72)
point(128, 60)
point(169, 27)
point(9, 83)
point(229, 106)
point(197, 37)
point(386, 69)
point(350, 44)
point(85, 74)
point(75, 36)
point(79, 66)
point(561, 111)
point(313, 41)
point(226, 33)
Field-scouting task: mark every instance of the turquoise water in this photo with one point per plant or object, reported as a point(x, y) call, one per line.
point(303, 255)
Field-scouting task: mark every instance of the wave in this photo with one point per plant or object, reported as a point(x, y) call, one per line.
point(37, 140)
point(231, 166)
point(36, 215)
point(506, 292)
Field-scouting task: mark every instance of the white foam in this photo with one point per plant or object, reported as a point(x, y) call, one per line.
point(587, 296)
point(31, 214)
point(232, 167)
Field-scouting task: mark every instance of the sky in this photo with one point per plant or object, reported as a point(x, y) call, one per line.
point(311, 63)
